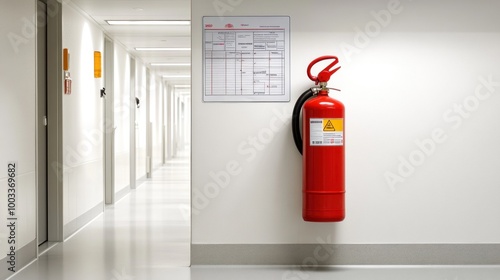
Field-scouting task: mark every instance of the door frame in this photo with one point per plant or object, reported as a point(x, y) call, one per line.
point(109, 125)
point(55, 167)
point(41, 97)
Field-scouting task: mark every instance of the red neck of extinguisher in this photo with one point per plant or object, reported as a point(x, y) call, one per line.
point(323, 92)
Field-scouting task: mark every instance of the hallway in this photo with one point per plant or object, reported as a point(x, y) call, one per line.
point(97, 95)
point(146, 231)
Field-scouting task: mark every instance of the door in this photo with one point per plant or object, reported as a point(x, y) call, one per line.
point(109, 123)
point(42, 122)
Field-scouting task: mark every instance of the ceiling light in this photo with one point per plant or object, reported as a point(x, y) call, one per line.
point(169, 64)
point(182, 86)
point(148, 22)
point(162, 49)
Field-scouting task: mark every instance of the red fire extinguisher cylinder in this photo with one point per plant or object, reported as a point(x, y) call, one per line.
point(322, 148)
point(323, 159)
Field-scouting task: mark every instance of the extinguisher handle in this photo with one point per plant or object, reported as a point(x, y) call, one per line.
point(325, 74)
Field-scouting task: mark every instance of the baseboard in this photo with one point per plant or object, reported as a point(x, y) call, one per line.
point(121, 193)
point(345, 254)
point(141, 180)
point(77, 223)
point(24, 256)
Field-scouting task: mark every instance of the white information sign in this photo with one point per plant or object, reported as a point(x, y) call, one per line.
point(246, 59)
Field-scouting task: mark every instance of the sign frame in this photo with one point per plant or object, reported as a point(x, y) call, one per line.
point(246, 59)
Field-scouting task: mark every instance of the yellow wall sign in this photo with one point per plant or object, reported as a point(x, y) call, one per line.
point(97, 65)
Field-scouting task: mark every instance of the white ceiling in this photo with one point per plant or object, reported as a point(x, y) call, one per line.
point(146, 36)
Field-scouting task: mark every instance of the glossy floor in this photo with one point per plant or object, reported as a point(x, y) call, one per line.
point(146, 230)
point(146, 236)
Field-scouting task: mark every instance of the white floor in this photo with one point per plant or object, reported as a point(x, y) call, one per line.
point(146, 231)
point(146, 236)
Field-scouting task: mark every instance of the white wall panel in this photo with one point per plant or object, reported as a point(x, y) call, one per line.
point(122, 118)
point(155, 115)
point(141, 124)
point(83, 123)
point(168, 92)
point(18, 114)
point(410, 70)
point(156, 119)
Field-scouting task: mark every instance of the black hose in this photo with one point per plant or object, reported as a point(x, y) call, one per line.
point(297, 137)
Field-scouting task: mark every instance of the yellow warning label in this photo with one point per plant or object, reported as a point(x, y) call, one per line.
point(331, 125)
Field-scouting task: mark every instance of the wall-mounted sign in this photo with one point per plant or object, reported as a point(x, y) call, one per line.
point(246, 59)
point(97, 65)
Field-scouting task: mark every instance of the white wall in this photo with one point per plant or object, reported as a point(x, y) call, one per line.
point(406, 72)
point(141, 122)
point(82, 118)
point(156, 114)
point(184, 121)
point(187, 120)
point(18, 112)
point(122, 118)
point(175, 122)
point(169, 143)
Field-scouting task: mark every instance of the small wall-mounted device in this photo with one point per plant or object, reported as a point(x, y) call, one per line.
point(137, 102)
point(67, 74)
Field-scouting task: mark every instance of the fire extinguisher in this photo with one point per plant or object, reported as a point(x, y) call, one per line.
point(322, 147)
